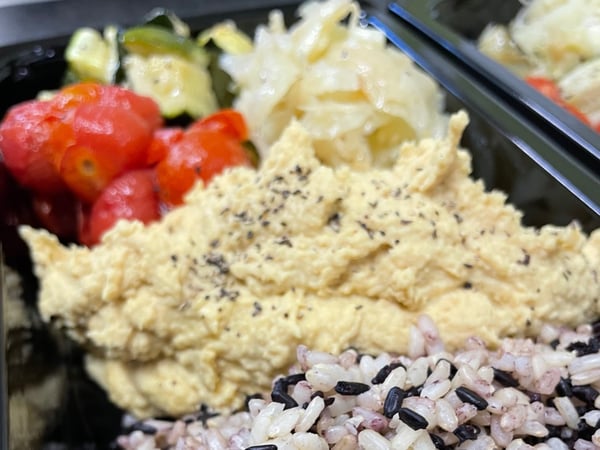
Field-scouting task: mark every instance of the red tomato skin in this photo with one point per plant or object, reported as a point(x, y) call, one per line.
point(108, 141)
point(200, 154)
point(162, 140)
point(143, 106)
point(131, 196)
point(227, 121)
point(70, 97)
point(28, 146)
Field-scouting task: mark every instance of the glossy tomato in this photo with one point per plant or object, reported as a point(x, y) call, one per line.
point(108, 141)
point(131, 196)
point(226, 121)
point(162, 140)
point(199, 155)
point(29, 142)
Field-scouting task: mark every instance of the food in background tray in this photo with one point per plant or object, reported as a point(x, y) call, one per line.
point(554, 45)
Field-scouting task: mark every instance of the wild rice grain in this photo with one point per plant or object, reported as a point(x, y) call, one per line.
point(393, 401)
point(413, 419)
point(466, 432)
point(384, 372)
point(438, 442)
point(468, 396)
point(524, 395)
point(351, 387)
point(586, 394)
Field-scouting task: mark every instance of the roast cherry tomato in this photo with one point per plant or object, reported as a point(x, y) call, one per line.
point(227, 121)
point(108, 141)
point(143, 106)
point(200, 154)
point(131, 196)
point(72, 96)
point(163, 139)
point(28, 139)
point(551, 90)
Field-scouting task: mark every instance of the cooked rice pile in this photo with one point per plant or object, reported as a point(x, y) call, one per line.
point(527, 394)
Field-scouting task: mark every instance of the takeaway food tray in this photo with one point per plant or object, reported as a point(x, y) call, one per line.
point(509, 153)
point(455, 25)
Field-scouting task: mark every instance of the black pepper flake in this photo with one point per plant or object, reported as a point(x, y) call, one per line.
point(257, 309)
point(393, 401)
point(262, 447)
point(413, 419)
point(554, 343)
point(365, 227)
point(230, 295)
point(504, 378)
point(358, 307)
point(466, 432)
point(334, 222)
point(467, 285)
point(214, 243)
point(351, 387)
point(458, 218)
point(406, 222)
point(469, 396)
point(525, 260)
point(385, 371)
point(284, 240)
point(265, 223)
point(218, 260)
point(174, 258)
point(242, 216)
point(250, 234)
point(468, 266)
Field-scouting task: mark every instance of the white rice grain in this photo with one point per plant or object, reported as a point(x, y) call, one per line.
point(371, 440)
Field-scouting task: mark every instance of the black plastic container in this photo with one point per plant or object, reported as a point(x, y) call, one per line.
point(455, 25)
point(509, 153)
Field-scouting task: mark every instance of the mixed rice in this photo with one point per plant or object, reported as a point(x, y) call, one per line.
point(526, 394)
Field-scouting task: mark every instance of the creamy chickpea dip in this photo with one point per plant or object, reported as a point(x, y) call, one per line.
point(210, 303)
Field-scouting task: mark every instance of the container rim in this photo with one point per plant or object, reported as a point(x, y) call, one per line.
point(579, 140)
